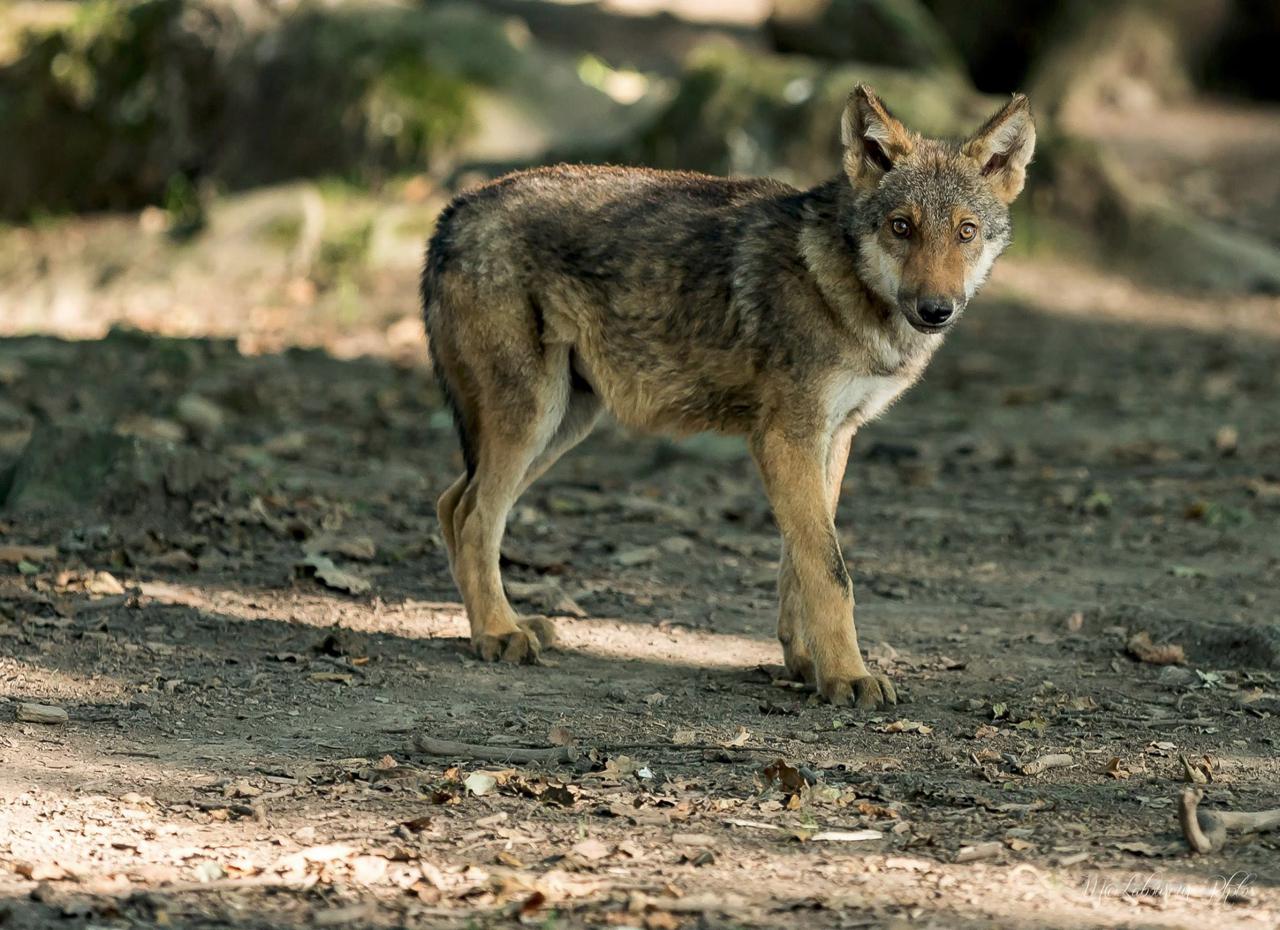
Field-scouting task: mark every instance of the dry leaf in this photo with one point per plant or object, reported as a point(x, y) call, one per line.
point(480, 783)
point(591, 849)
point(905, 726)
point(1143, 649)
point(104, 583)
point(1115, 768)
point(978, 851)
point(332, 576)
point(560, 736)
point(785, 776)
point(361, 548)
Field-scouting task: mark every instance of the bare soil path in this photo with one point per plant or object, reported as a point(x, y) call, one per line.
point(240, 748)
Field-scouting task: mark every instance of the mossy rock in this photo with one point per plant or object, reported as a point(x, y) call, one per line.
point(77, 469)
point(138, 102)
point(743, 113)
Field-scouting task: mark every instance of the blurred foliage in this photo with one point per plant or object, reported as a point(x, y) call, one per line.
point(739, 112)
point(899, 33)
point(137, 102)
point(117, 104)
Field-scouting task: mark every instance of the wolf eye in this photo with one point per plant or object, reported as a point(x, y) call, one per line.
point(901, 228)
point(968, 231)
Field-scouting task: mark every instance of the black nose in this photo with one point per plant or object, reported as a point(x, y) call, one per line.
point(935, 310)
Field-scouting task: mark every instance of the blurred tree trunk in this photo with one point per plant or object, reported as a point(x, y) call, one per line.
point(1131, 55)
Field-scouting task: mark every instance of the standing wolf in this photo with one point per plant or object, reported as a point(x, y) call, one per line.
point(683, 302)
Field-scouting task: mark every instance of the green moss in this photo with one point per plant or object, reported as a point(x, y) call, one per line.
point(282, 231)
point(342, 254)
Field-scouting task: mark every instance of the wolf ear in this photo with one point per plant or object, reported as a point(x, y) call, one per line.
point(873, 140)
point(1003, 148)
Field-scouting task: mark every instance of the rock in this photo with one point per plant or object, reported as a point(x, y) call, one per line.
point(637, 555)
point(676, 545)
point(41, 713)
point(884, 32)
point(258, 93)
point(200, 415)
point(1238, 644)
point(1176, 677)
point(71, 468)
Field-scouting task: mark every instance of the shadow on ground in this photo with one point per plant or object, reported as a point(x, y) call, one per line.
point(1054, 486)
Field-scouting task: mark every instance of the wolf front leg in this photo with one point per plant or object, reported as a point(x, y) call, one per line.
point(815, 589)
point(795, 651)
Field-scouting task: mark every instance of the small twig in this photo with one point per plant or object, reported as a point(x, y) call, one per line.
point(1206, 831)
point(1162, 721)
point(342, 664)
point(687, 747)
point(453, 750)
point(134, 753)
point(104, 603)
point(224, 884)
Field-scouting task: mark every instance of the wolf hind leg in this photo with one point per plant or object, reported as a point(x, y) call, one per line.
point(521, 437)
point(581, 414)
point(446, 507)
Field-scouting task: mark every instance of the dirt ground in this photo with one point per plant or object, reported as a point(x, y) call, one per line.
point(245, 611)
point(1084, 462)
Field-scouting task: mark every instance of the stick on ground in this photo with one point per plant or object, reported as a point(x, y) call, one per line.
point(453, 750)
point(1206, 831)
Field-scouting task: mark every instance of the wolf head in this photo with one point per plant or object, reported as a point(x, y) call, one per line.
point(931, 217)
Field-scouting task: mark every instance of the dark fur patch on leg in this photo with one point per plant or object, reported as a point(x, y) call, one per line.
point(459, 420)
point(839, 571)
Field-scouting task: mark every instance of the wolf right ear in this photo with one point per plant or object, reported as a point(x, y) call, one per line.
point(873, 140)
point(1003, 147)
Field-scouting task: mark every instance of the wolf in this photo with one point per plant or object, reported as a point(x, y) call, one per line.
point(681, 302)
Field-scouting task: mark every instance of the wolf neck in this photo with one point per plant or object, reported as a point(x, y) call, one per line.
point(827, 243)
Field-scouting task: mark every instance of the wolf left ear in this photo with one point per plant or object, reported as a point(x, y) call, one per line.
point(873, 140)
point(1003, 147)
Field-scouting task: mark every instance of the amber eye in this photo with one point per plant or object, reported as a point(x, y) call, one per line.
point(901, 228)
point(967, 232)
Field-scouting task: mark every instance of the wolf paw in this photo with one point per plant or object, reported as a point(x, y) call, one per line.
point(867, 692)
point(521, 646)
point(798, 661)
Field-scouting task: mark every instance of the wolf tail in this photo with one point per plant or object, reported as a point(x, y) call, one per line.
point(434, 298)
